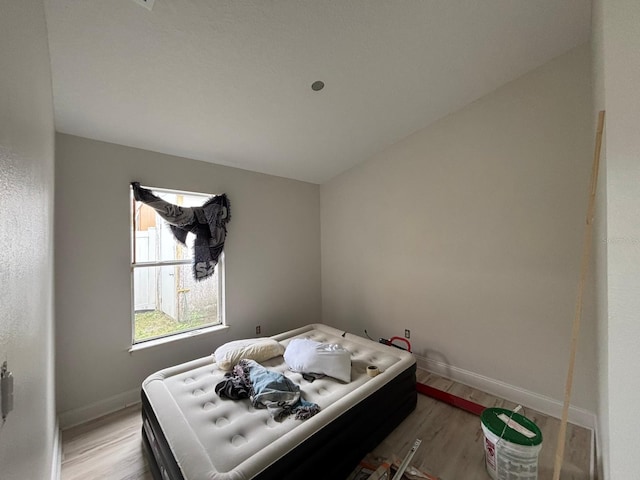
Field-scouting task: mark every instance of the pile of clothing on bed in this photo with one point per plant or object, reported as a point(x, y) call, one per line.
point(272, 390)
point(266, 389)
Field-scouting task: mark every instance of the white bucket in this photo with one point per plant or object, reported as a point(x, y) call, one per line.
point(506, 460)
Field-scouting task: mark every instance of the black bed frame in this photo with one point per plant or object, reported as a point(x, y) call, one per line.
point(334, 451)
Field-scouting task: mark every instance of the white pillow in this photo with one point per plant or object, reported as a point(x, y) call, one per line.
point(308, 356)
point(258, 349)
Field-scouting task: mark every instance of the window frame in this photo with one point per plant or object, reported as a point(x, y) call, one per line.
point(219, 273)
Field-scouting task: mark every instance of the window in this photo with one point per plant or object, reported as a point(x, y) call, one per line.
point(167, 300)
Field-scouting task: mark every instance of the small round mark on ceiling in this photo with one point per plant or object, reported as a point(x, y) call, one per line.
point(317, 85)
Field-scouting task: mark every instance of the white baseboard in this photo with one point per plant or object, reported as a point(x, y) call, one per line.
point(56, 460)
point(547, 405)
point(74, 417)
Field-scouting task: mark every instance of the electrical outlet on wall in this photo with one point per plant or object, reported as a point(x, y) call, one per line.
point(407, 333)
point(258, 330)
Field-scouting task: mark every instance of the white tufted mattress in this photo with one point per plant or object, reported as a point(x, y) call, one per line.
point(220, 439)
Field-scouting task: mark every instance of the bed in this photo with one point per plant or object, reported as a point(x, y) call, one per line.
point(189, 433)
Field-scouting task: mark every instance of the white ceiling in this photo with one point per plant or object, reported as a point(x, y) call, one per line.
point(228, 81)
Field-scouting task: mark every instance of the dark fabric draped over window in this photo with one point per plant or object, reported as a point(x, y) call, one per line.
point(208, 223)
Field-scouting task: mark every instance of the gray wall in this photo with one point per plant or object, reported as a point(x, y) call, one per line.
point(617, 73)
point(26, 239)
point(469, 233)
point(272, 259)
point(600, 248)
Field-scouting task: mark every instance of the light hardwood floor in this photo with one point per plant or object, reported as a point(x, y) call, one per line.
point(452, 440)
point(110, 447)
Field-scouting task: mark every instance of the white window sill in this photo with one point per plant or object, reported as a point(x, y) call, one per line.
point(177, 337)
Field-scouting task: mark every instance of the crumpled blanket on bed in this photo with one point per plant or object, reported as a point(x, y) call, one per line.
point(266, 389)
